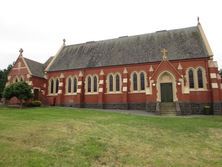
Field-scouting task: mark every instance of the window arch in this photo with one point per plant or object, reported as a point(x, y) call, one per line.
point(95, 84)
point(135, 86)
point(92, 84)
point(89, 84)
point(117, 82)
point(69, 85)
point(75, 83)
point(191, 78)
point(200, 78)
point(114, 82)
point(57, 86)
point(51, 86)
point(138, 81)
point(22, 78)
point(142, 81)
point(111, 83)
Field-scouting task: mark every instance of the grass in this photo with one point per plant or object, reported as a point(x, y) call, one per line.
point(83, 137)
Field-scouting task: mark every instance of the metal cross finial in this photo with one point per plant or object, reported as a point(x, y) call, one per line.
point(64, 41)
point(198, 20)
point(21, 51)
point(165, 53)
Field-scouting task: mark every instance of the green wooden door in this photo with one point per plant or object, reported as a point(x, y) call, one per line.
point(166, 92)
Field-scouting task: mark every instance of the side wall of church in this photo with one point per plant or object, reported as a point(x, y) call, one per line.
point(191, 100)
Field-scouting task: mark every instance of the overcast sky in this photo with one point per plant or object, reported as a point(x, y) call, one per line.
point(39, 26)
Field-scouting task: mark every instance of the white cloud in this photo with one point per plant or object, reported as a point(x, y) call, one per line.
point(39, 26)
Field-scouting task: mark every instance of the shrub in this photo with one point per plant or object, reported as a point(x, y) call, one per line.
point(34, 103)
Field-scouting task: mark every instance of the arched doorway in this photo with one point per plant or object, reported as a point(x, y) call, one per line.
point(166, 87)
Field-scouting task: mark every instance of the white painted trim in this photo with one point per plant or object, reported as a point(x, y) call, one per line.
point(214, 85)
point(124, 89)
point(60, 84)
point(125, 80)
point(213, 75)
point(79, 83)
point(79, 91)
point(29, 71)
point(101, 82)
point(210, 53)
point(100, 90)
point(171, 80)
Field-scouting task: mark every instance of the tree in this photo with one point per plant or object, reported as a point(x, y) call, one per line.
point(21, 90)
point(3, 78)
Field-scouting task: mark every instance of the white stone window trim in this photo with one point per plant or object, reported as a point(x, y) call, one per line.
point(114, 83)
point(19, 78)
point(54, 86)
point(195, 78)
point(72, 77)
point(138, 82)
point(92, 84)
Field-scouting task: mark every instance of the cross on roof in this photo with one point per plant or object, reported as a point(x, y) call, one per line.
point(21, 51)
point(164, 53)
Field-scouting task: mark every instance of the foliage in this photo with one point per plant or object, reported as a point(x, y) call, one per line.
point(220, 72)
point(34, 103)
point(21, 90)
point(55, 136)
point(3, 78)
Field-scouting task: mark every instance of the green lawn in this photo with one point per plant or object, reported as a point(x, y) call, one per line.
point(81, 137)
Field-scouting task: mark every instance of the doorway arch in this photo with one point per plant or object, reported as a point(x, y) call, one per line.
point(166, 77)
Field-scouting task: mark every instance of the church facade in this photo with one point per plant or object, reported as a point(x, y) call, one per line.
point(145, 72)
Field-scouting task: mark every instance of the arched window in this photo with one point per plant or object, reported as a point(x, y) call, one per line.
point(69, 85)
point(75, 85)
point(16, 80)
point(142, 81)
point(117, 82)
point(89, 84)
point(135, 86)
point(57, 86)
point(111, 83)
point(51, 86)
point(200, 78)
point(95, 84)
point(191, 78)
point(21, 79)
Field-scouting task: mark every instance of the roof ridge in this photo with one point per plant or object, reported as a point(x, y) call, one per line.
point(130, 36)
point(33, 60)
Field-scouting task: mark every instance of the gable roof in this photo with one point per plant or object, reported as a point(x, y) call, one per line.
point(185, 43)
point(36, 68)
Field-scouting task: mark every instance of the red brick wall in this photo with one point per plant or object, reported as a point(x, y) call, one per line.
point(194, 96)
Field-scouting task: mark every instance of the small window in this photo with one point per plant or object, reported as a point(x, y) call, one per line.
point(69, 85)
point(191, 79)
point(75, 85)
point(111, 83)
point(135, 86)
point(89, 84)
point(142, 81)
point(57, 85)
point(51, 86)
point(117, 83)
point(200, 78)
point(95, 84)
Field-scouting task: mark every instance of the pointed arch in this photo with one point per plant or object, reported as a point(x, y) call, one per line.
point(191, 78)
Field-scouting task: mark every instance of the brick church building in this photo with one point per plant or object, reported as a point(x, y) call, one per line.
point(146, 72)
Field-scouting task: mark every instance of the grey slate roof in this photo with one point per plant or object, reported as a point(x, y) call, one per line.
point(36, 68)
point(183, 43)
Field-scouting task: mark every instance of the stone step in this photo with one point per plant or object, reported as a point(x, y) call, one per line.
point(168, 108)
